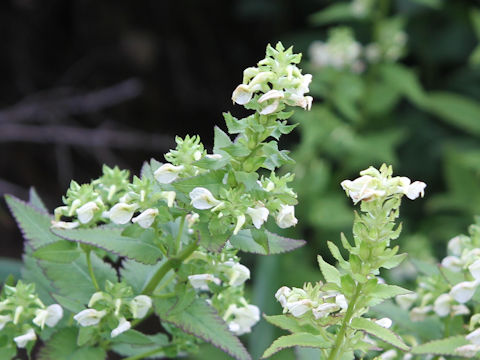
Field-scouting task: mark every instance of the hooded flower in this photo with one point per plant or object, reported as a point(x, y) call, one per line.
point(200, 281)
point(146, 218)
point(286, 217)
point(203, 199)
point(237, 273)
point(140, 305)
point(242, 94)
point(474, 337)
point(121, 213)
point(123, 325)
point(167, 173)
point(282, 295)
point(475, 269)
point(324, 310)
point(50, 316)
point(462, 292)
point(363, 188)
point(65, 225)
point(442, 305)
point(86, 212)
point(89, 317)
point(243, 318)
point(22, 340)
point(259, 215)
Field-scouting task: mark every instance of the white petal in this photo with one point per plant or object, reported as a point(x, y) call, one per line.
point(140, 305)
point(442, 305)
point(203, 199)
point(258, 214)
point(385, 322)
point(474, 337)
point(242, 94)
point(415, 190)
point(475, 269)
point(272, 94)
point(89, 317)
point(167, 173)
point(200, 281)
point(123, 325)
point(286, 217)
point(464, 291)
point(240, 222)
point(121, 213)
point(64, 225)
point(86, 212)
point(22, 340)
point(146, 218)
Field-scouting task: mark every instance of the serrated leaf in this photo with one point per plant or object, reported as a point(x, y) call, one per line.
point(236, 150)
point(329, 272)
point(382, 333)
point(211, 180)
point(110, 239)
point(35, 200)
point(394, 261)
point(298, 339)
point(234, 125)
point(382, 292)
point(34, 224)
point(137, 275)
point(62, 251)
point(201, 320)
point(71, 305)
point(133, 337)
point(290, 323)
point(244, 241)
point(220, 140)
point(33, 273)
point(335, 251)
point(126, 349)
point(445, 346)
point(63, 346)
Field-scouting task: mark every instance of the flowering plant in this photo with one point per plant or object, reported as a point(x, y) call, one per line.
point(162, 244)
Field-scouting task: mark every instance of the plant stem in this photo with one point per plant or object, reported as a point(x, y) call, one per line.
point(178, 240)
point(145, 354)
point(90, 270)
point(346, 320)
point(171, 263)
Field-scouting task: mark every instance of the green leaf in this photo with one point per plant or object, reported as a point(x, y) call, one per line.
point(334, 13)
point(71, 305)
point(378, 331)
point(244, 241)
point(405, 81)
point(445, 346)
point(290, 323)
point(137, 275)
point(337, 255)
point(110, 239)
point(425, 268)
point(234, 125)
point(457, 110)
point(33, 273)
point(220, 140)
point(298, 339)
point(35, 201)
point(34, 224)
point(62, 251)
point(394, 261)
point(382, 292)
point(211, 180)
point(201, 320)
point(126, 347)
point(329, 272)
point(63, 346)
point(133, 337)
point(236, 150)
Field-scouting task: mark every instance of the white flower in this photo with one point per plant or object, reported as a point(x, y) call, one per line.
point(121, 213)
point(99, 295)
point(123, 325)
point(469, 350)
point(474, 337)
point(22, 340)
point(406, 300)
point(324, 309)
point(197, 155)
point(85, 212)
point(271, 108)
point(388, 355)
point(462, 292)
point(282, 295)
point(244, 318)
point(475, 269)
point(240, 222)
point(272, 94)
point(362, 188)
point(460, 310)
point(455, 245)
point(442, 305)
point(146, 218)
point(169, 196)
point(50, 316)
point(259, 215)
point(167, 173)
point(140, 305)
point(419, 313)
point(341, 301)
point(200, 281)
point(384, 322)
point(214, 156)
point(237, 273)
point(242, 94)
point(416, 189)
point(203, 199)
point(300, 307)
point(65, 225)
point(4, 319)
point(452, 263)
point(89, 317)
point(286, 216)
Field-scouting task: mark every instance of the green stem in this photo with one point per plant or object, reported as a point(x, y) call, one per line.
point(145, 354)
point(346, 320)
point(90, 270)
point(178, 240)
point(170, 264)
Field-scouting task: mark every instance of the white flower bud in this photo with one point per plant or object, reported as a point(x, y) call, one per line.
point(286, 216)
point(452, 263)
point(242, 94)
point(123, 325)
point(22, 340)
point(406, 300)
point(462, 292)
point(384, 322)
point(121, 213)
point(419, 313)
point(50, 316)
point(468, 351)
point(324, 309)
point(442, 305)
point(146, 218)
point(85, 212)
point(65, 225)
point(475, 269)
point(240, 222)
point(200, 281)
point(140, 305)
point(203, 199)
point(237, 273)
point(415, 190)
point(244, 318)
point(4, 319)
point(89, 317)
point(259, 215)
point(282, 295)
point(300, 307)
point(167, 173)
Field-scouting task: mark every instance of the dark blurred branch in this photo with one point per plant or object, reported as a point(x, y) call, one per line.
point(41, 109)
point(77, 136)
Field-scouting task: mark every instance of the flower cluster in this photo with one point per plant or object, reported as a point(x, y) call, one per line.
point(310, 300)
point(274, 83)
point(115, 305)
point(20, 307)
